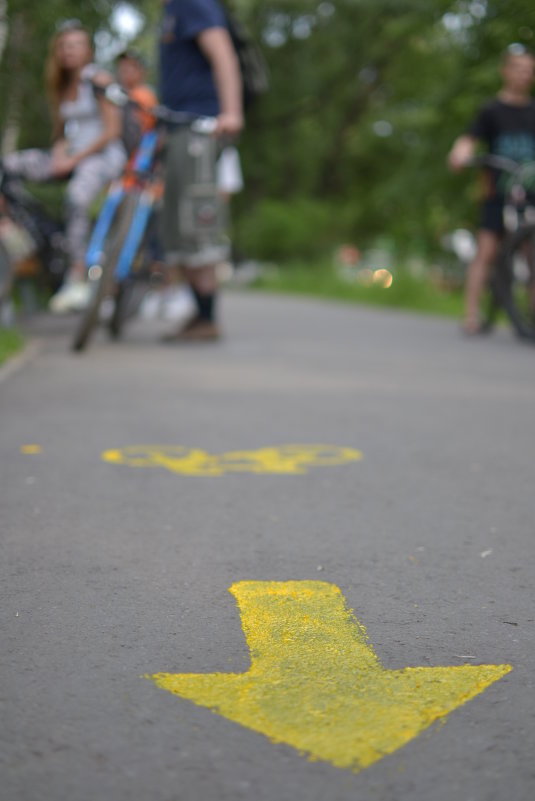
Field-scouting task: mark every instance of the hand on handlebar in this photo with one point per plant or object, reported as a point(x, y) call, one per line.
point(458, 161)
point(229, 124)
point(461, 153)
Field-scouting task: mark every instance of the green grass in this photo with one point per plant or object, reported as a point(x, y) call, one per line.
point(10, 342)
point(321, 280)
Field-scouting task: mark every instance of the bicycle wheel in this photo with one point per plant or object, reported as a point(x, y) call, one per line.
point(102, 280)
point(5, 272)
point(130, 294)
point(515, 281)
point(6, 280)
point(130, 291)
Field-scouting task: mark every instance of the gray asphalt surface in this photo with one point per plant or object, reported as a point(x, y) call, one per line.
point(110, 573)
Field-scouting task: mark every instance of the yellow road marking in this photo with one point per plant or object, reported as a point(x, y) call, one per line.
point(286, 459)
point(316, 684)
point(31, 449)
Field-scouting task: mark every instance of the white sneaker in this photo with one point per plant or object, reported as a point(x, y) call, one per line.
point(178, 304)
point(150, 306)
point(73, 296)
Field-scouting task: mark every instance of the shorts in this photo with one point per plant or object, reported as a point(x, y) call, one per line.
point(491, 218)
point(193, 215)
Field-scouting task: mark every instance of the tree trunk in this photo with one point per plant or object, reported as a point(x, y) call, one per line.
point(12, 94)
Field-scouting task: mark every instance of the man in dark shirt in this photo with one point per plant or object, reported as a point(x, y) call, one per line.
point(200, 75)
point(506, 126)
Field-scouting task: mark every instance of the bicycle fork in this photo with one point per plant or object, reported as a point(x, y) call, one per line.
point(135, 235)
point(95, 250)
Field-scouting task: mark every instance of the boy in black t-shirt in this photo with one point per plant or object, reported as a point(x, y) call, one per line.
point(506, 126)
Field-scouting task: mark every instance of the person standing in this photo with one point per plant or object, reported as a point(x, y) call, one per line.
point(506, 126)
point(200, 76)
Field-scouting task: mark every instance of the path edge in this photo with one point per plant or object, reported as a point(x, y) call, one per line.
point(21, 360)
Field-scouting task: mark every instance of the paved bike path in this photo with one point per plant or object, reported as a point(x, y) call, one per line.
point(113, 572)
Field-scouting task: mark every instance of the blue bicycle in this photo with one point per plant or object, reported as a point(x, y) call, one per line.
point(117, 256)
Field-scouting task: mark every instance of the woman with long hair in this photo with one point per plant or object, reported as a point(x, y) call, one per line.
point(87, 150)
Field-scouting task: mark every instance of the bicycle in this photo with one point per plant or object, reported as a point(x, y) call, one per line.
point(512, 283)
point(116, 258)
point(39, 234)
point(115, 255)
point(6, 308)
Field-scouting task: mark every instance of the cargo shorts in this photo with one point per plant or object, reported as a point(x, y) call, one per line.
point(194, 215)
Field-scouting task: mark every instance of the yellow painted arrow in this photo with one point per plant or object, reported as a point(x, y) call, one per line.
point(316, 684)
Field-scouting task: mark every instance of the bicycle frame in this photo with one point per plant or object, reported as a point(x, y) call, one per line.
point(138, 176)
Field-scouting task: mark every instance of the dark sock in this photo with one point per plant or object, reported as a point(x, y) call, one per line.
point(205, 305)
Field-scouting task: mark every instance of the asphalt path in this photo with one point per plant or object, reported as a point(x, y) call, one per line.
point(111, 573)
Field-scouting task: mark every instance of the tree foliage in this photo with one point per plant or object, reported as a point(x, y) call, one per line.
point(27, 28)
point(364, 108)
point(350, 143)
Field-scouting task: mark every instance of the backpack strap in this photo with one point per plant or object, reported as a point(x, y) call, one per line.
point(253, 66)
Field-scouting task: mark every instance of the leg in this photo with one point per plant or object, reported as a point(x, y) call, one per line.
point(193, 224)
point(29, 165)
point(202, 326)
point(203, 283)
point(89, 179)
point(488, 243)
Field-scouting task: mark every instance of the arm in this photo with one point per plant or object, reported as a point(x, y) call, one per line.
point(59, 143)
point(462, 151)
point(216, 46)
point(57, 129)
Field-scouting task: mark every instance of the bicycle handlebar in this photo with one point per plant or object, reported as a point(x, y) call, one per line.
point(498, 162)
point(119, 97)
point(521, 179)
point(523, 172)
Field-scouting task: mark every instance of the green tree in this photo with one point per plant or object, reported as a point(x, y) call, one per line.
point(27, 30)
point(367, 97)
point(350, 143)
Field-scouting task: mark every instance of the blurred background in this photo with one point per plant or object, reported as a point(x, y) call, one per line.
point(346, 188)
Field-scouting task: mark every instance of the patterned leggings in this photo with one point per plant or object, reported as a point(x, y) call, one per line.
point(87, 181)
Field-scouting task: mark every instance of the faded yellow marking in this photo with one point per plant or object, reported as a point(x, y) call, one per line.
point(286, 459)
point(31, 449)
point(316, 684)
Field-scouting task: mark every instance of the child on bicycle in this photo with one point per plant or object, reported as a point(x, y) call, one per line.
point(87, 150)
point(506, 126)
point(132, 77)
